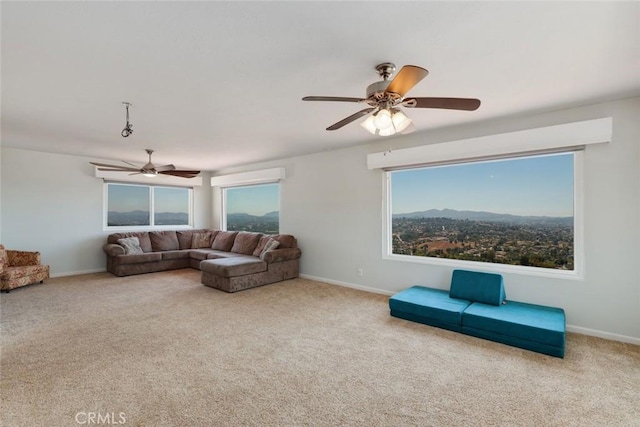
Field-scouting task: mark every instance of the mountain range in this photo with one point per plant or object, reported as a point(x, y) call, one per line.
point(239, 216)
point(484, 216)
point(139, 217)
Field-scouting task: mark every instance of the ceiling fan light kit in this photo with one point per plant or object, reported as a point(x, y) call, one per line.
point(386, 123)
point(384, 118)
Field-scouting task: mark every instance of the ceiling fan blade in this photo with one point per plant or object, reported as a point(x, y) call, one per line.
point(131, 164)
point(108, 165)
point(181, 173)
point(468, 104)
point(332, 98)
point(409, 129)
point(122, 169)
point(165, 168)
point(351, 118)
point(408, 77)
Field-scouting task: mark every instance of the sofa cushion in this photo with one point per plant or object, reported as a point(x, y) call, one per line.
point(201, 240)
point(430, 306)
point(234, 266)
point(530, 322)
point(13, 273)
point(164, 240)
point(224, 240)
point(215, 254)
point(286, 241)
point(143, 237)
point(136, 259)
point(175, 254)
point(487, 288)
point(245, 243)
point(131, 245)
point(185, 236)
point(199, 254)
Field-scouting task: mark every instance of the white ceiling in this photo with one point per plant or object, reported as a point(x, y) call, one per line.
point(218, 84)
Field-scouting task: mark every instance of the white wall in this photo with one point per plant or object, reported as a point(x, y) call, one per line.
point(52, 203)
point(333, 205)
point(0, 193)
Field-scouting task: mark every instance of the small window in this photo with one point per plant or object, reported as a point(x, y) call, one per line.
point(170, 206)
point(135, 206)
point(252, 208)
point(516, 211)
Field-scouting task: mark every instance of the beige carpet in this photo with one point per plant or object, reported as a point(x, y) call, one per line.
point(163, 350)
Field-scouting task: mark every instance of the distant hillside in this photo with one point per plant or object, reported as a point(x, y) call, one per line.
point(268, 223)
point(142, 218)
point(484, 216)
point(245, 217)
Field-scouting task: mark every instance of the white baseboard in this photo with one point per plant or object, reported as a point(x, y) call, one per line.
point(347, 285)
point(76, 273)
point(603, 334)
point(570, 328)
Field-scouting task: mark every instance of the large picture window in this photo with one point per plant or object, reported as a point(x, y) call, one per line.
point(516, 211)
point(252, 208)
point(135, 206)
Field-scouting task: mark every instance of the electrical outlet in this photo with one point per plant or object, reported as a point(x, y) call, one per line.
point(360, 272)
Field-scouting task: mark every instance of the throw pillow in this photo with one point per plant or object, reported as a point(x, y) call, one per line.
point(260, 247)
point(271, 245)
point(200, 240)
point(131, 246)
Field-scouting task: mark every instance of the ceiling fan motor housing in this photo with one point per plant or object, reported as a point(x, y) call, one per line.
point(377, 89)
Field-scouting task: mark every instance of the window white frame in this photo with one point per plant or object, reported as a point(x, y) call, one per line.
point(256, 177)
point(551, 139)
point(151, 191)
point(223, 216)
point(578, 208)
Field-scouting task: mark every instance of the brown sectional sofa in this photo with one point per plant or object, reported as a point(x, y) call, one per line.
point(229, 260)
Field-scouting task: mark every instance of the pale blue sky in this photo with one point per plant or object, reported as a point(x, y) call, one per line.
point(168, 199)
point(127, 198)
point(541, 185)
point(254, 200)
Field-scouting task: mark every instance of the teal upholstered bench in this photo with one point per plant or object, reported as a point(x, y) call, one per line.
point(476, 305)
point(429, 306)
point(529, 326)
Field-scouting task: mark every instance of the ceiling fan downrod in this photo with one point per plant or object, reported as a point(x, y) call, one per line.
point(386, 69)
point(127, 129)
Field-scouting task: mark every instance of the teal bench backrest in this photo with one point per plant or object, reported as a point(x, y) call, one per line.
point(487, 288)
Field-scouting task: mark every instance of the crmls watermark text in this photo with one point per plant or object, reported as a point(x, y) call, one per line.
point(97, 418)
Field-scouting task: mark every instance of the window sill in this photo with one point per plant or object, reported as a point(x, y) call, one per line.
point(147, 228)
point(488, 267)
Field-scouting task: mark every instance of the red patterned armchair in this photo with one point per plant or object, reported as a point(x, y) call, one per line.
point(20, 268)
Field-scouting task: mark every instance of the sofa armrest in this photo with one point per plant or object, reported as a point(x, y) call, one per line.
point(113, 250)
point(23, 258)
point(278, 255)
